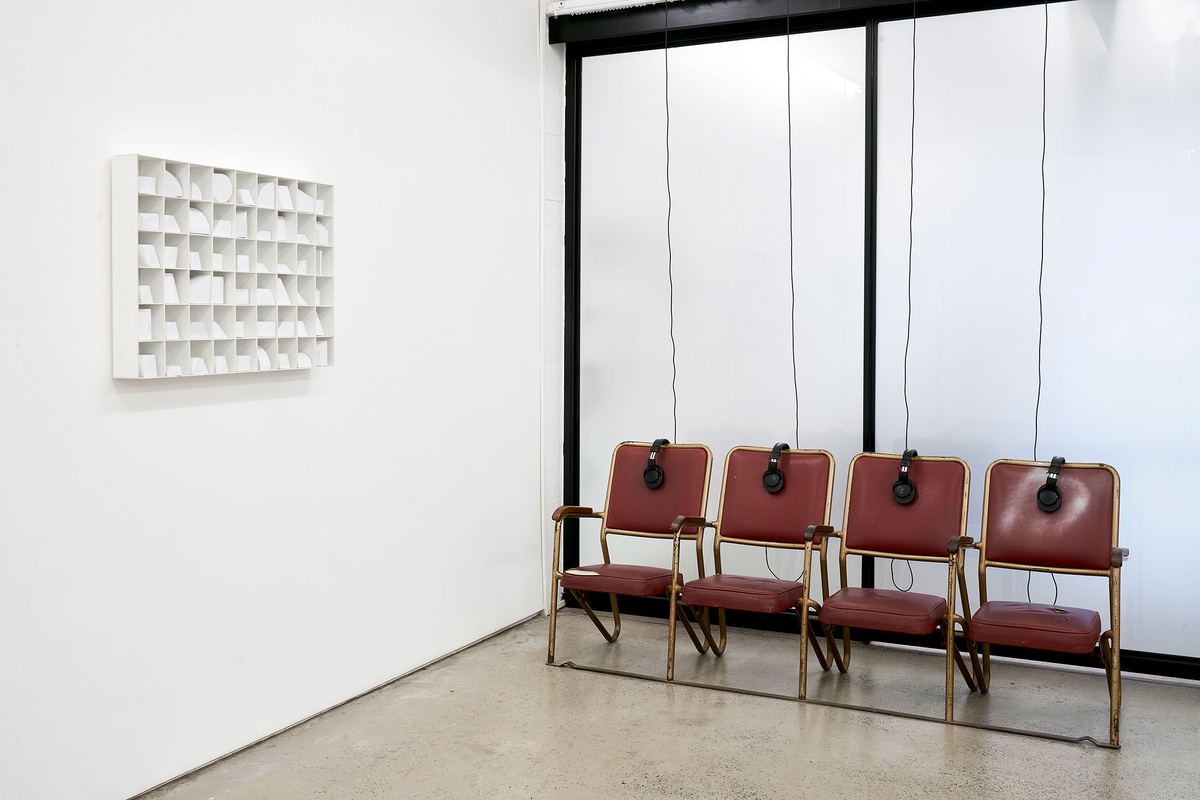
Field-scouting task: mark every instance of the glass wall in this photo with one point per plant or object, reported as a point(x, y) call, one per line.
point(730, 256)
point(1121, 281)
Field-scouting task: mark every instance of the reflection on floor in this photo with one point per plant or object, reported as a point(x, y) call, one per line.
point(495, 722)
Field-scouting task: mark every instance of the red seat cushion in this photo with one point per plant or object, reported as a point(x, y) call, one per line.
point(629, 579)
point(1043, 627)
point(884, 610)
point(742, 592)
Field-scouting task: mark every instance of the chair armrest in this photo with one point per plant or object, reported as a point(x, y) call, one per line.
point(683, 521)
point(959, 543)
point(562, 512)
point(1118, 556)
point(813, 531)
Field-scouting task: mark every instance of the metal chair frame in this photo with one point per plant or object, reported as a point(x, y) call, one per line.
point(806, 609)
point(583, 512)
point(1109, 644)
point(955, 585)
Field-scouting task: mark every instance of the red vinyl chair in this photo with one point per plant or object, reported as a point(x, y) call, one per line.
point(927, 526)
point(1078, 536)
point(634, 509)
point(769, 497)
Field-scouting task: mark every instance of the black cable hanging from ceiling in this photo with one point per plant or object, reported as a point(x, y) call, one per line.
point(670, 252)
point(1037, 409)
point(787, 37)
point(912, 152)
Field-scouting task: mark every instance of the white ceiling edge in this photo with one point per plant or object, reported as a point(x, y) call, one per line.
point(561, 8)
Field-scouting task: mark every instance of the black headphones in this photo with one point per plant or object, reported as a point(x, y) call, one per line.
point(1049, 496)
point(904, 491)
point(773, 478)
point(653, 474)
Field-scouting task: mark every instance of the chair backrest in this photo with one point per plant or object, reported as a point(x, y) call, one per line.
point(1080, 535)
point(632, 507)
point(751, 513)
point(874, 521)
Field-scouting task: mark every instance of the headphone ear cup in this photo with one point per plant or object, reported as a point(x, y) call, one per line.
point(1049, 499)
point(904, 492)
point(1049, 495)
point(772, 479)
point(653, 476)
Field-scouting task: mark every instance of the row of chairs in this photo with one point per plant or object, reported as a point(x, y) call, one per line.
point(1039, 517)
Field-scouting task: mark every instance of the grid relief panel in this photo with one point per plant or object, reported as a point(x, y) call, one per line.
point(219, 270)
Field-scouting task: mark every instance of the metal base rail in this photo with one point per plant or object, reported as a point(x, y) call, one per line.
point(1054, 737)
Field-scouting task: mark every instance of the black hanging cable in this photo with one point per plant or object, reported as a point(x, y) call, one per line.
point(791, 224)
point(1037, 409)
point(670, 252)
point(791, 247)
point(1041, 271)
point(912, 151)
point(911, 577)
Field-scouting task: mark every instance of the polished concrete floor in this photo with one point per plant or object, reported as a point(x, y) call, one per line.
point(495, 722)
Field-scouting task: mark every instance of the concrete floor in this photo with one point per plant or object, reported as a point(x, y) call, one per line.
point(495, 722)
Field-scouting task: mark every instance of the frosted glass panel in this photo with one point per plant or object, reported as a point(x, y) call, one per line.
point(729, 226)
point(1121, 289)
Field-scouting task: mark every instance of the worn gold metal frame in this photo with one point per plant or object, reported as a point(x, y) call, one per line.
point(806, 609)
point(583, 512)
point(979, 726)
point(1109, 643)
point(953, 626)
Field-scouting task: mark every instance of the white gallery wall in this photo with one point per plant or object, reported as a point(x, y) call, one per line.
point(189, 565)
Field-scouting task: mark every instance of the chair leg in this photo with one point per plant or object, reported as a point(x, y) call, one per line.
point(581, 598)
point(814, 615)
point(702, 623)
point(840, 658)
point(674, 605)
point(804, 621)
point(679, 610)
point(954, 658)
point(962, 667)
point(951, 656)
point(958, 658)
point(1111, 657)
point(979, 684)
point(973, 650)
point(985, 674)
point(553, 618)
point(718, 648)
